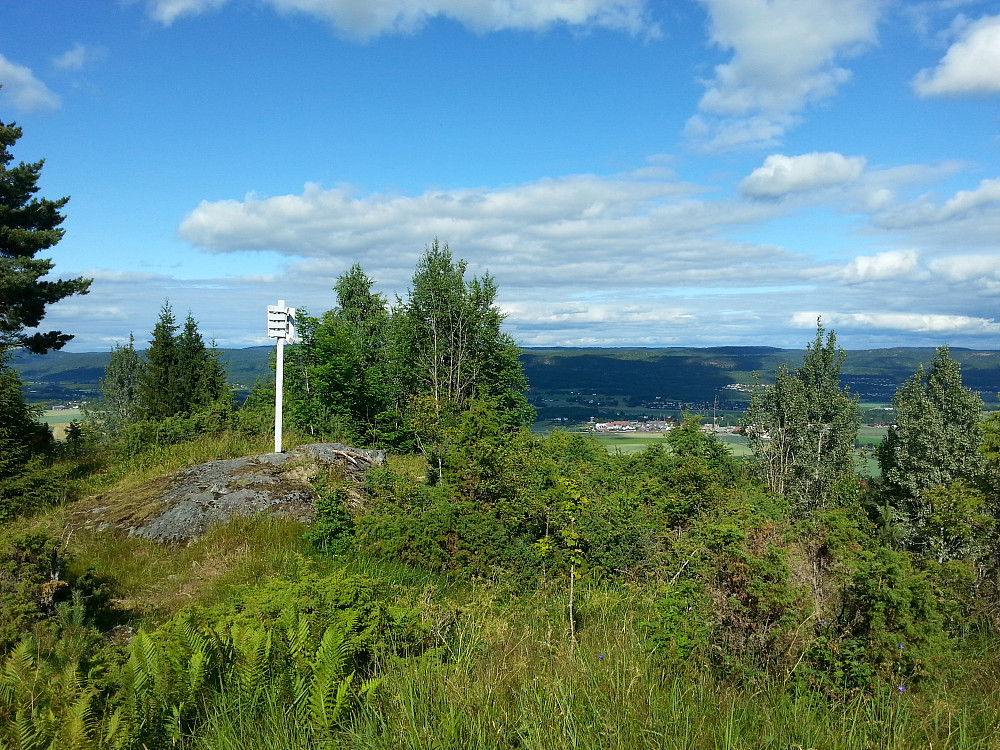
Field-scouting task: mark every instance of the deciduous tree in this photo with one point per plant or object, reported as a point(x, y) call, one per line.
point(802, 429)
point(449, 339)
point(935, 441)
point(120, 389)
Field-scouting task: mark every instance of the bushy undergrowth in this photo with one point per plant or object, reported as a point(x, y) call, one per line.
point(538, 593)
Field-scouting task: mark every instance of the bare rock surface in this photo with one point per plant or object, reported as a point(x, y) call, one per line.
point(183, 505)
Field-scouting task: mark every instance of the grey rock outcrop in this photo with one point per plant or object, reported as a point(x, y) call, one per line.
point(184, 505)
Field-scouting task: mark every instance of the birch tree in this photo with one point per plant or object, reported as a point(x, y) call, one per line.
point(802, 429)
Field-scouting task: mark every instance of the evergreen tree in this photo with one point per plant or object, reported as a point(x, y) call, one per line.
point(181, 373)
point(28, 225)
point(213, 382)
point(201, 375)
point(802, 429)
point(190, 362)
point(160, 384)
point(936, 440)
point(19, 432)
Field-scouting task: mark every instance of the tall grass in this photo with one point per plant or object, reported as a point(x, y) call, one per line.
point(513, 685)
point(152, 580)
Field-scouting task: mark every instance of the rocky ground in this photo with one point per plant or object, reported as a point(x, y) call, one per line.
point(182, 506)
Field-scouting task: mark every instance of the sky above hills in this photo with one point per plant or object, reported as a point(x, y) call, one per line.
point(631, 172)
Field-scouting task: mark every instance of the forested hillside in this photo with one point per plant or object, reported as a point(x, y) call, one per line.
point(690, 375)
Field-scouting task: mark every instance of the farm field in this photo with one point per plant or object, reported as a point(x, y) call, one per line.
point(59, 419)
point(636, 442)
point(868, 437)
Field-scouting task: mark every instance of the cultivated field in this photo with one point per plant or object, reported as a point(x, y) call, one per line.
point(59, 419)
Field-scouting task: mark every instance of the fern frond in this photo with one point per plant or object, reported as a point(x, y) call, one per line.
point(19, 675)
point(29, 731)
point(77, 724)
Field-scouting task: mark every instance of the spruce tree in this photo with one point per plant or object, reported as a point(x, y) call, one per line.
point(28, 225)
point(160, 387)
point(191, 356)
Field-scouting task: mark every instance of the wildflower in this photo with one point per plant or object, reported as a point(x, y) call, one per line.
point(600, 656)
point(901, 688)
point(900, 646)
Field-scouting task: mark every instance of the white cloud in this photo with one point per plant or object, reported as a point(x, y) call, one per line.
point(576, 210)
point(781, 174)
point(910, 322)
point(25, 92)
point(971, 65)
point(370, 18)
point(78, 57)
point(888, 265)
point(168, 11)
point(965, 268)
point(963, 205)
point(784, 58)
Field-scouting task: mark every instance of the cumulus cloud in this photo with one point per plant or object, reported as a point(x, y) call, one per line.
point(78, 57)
point(578, 209)
point(370, 18)
point(888, 265)
point(897, 321)
point(784, 59)
point(24, 91)
point(970, 66)
point(781, 174)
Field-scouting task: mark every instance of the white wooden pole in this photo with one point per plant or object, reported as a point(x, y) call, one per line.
point(279, 381)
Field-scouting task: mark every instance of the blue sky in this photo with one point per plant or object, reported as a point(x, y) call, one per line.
point(631, 172)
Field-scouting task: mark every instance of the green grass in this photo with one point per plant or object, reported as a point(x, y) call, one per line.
point(507, 675)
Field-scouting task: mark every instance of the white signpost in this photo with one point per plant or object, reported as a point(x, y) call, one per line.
point(280, 326)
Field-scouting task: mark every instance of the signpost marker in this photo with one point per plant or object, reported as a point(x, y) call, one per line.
point(280, 326)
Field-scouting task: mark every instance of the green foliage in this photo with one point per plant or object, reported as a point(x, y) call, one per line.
point(448, 341)
point(487, 460)
point(683, 622)
point(39, 583)
point(889, 629)
point(159, 381)
point(802, 429)
point(149, 435)
point(307, 642)
point(120, 390)
point(27, 226)
point(27, 481)
point(181, 375)
point(332, 530)
point(936, 440)
point(401, 379)
point(323, 377)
